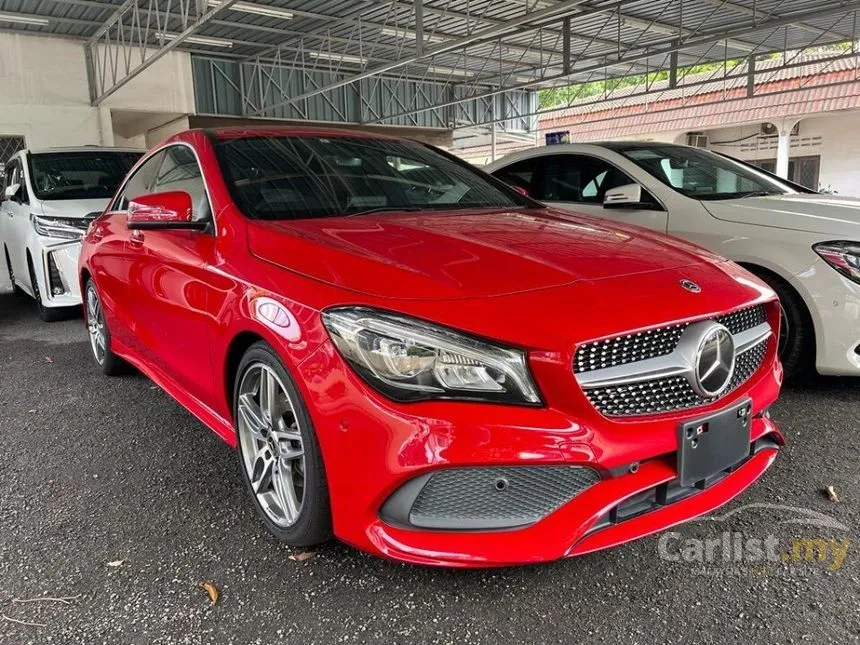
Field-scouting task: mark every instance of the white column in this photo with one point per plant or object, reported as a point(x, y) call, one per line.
point(493, 143)
point(783, 145)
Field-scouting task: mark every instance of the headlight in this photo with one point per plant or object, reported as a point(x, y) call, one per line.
point(66, 228)
point(412, 360)
point(842, 256)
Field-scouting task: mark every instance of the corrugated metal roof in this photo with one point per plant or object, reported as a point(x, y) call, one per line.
point(353, 28)
point(608, 38)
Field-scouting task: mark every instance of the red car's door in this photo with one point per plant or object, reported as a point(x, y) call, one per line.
point(113, 266)
point(175, 293)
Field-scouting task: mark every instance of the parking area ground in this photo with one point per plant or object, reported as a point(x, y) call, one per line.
point(96, 471)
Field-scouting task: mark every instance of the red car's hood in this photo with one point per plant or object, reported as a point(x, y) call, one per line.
point(452, 255)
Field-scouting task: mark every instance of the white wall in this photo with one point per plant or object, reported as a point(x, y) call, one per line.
point(835, 138)
point(155, 135)
point(45, 95)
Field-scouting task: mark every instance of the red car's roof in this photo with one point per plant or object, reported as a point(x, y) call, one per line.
point(244, 132)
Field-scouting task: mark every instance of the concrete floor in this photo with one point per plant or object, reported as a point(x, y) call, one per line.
point(97, 470)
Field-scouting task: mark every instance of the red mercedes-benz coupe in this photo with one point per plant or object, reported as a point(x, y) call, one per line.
point(421, 361)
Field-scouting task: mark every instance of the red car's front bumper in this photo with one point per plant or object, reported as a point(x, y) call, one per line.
point(372, 447)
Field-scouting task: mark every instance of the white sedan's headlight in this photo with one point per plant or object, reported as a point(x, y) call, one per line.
point(65, 228)
point(411, 360)
point(842, 256)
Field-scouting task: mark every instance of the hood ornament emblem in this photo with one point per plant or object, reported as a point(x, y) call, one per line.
point(690, 286)
point(714, 362)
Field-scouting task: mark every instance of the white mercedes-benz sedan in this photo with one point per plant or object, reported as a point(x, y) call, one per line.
point(804, 245)
point(49, 200)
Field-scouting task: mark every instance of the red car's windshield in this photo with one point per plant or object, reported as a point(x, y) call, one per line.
point(311, 177)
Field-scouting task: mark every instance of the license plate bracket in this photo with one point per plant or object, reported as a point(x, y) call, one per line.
point(712, 444)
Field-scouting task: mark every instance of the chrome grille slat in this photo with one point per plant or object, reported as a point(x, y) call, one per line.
point(641, 395)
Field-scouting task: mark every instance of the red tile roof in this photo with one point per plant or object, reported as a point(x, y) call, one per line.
point(820, 86)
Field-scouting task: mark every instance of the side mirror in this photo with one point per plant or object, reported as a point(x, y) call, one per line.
point(626, 196)
point(12, 191)
point(168, 210)
point(522, 191)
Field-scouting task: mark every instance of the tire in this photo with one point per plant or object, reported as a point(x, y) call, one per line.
point(99, 335)
point(276, 482)
point(47, 314)
point(796, 335)
point(17, 291)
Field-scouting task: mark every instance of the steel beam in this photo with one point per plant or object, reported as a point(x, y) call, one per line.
point(669, 46)
point(523, 23)
point(135, 43)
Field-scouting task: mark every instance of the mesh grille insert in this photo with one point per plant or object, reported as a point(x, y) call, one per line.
point(627, 349)
point(482, 498)
point(744, 319)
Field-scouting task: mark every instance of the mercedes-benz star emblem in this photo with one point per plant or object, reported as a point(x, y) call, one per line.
point(714, 364)
point(689, 285)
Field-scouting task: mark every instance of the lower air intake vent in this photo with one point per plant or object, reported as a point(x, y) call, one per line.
point(486, 498)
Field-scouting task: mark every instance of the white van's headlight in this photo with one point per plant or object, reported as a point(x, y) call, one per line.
point(65, 228)
point(411, 360)
point(843, 256)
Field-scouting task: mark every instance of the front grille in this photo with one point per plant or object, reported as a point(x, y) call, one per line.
point(665, 395)
point(496, 497)
point(669, 393)
point(654, 342)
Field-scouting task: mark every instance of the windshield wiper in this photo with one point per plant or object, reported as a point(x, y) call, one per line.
point(384, 209)
point(758, 193)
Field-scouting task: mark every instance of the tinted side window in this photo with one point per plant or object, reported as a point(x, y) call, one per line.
point(519, 174)
point(142, 182)
point(180, 171)
point(578, 178)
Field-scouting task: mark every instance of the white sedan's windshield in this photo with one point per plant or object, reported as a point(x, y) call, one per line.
point(79, 175)
point(700, 174)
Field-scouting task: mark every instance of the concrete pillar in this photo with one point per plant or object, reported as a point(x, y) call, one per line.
point(105, 126)
point(783, 145)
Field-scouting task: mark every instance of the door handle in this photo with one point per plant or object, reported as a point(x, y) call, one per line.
point(136, 238)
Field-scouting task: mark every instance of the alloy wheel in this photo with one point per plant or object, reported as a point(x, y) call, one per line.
point(272, 447)
point(96, 325)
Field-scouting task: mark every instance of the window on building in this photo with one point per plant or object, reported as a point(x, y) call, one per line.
point(801, 170)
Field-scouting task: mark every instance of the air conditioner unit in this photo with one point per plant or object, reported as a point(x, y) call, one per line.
point(697, 140)
point(770, 130)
